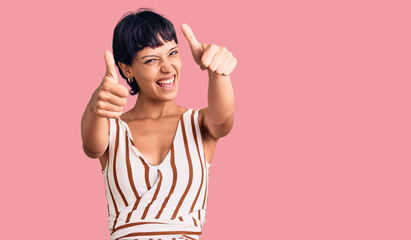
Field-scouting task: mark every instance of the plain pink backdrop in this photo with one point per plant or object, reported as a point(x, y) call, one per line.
point(320, 147)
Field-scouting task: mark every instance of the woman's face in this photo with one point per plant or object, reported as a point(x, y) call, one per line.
point(157, 71)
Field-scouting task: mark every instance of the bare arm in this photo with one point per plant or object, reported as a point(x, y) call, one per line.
point(218, 116)
point(106, 102)
point(94, 133)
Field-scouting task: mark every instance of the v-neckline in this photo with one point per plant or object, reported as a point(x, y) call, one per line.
point(130, 137)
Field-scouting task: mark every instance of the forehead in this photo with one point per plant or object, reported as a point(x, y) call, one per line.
point(158, 50)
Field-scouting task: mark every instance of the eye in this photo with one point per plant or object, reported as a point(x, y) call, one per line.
point(173, 52)
point(149, 61)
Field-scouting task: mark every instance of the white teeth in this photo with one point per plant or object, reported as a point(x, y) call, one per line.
point(166, 81)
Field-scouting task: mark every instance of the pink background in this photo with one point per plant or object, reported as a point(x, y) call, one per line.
point(320, 148)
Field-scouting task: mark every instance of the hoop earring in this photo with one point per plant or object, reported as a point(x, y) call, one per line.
point(129, 80)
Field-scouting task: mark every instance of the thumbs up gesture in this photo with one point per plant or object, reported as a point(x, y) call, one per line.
point(110, 97)
point(214, 58)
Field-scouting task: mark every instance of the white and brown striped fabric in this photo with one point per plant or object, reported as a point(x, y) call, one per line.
point(166, 201)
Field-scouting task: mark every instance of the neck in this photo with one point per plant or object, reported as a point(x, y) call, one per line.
point(146, 107)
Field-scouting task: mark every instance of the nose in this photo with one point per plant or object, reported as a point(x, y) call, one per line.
point(166, 66)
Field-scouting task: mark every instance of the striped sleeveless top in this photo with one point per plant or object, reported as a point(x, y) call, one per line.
point(165, 201)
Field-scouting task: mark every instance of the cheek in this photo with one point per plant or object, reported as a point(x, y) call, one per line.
point(177, 64)
point(144, 74)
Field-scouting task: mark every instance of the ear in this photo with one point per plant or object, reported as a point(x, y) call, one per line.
point(126, 69)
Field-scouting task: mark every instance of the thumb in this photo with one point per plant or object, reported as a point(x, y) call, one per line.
point(195, 46)
point(110, 66)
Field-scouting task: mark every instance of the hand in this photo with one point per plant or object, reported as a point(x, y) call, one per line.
point(215, 58)
point(110, 97)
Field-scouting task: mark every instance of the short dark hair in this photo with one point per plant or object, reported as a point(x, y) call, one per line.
point(135, 31)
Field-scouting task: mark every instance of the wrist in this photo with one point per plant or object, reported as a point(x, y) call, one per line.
point(214, 75)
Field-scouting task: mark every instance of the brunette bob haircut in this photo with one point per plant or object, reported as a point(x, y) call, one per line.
point(135, 31)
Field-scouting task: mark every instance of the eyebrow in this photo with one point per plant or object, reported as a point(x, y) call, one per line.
point(156, 55)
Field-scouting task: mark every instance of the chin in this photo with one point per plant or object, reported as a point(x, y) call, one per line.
point(169, 96)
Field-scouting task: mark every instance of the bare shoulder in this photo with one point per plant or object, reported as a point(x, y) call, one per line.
point(213, 129)
point(205, 131)
point(209, 142)
point(126, 116)
point(104, 158)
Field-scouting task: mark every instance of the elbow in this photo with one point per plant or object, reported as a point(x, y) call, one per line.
point(222, 129)
point(227, 128)
point(91, 154)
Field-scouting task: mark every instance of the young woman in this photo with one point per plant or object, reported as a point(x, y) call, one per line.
point(155, 158)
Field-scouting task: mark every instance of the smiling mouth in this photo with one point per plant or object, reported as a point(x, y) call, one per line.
point(167, 83)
